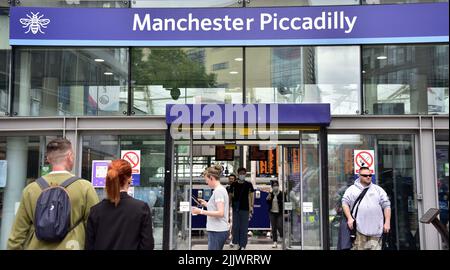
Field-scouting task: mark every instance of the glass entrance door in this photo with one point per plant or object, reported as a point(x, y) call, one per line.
point(299, 176)
point(301, 181)
point(181, 192)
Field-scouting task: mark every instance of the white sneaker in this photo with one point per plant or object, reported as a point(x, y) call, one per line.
point(275, 245)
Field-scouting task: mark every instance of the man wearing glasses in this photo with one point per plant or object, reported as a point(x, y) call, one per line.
point(374, 211)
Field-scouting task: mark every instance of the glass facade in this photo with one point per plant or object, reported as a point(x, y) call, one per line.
point(151, 186)
point(304, 75)
point(394, 172)
point(396, 80)
point(442, 171)
point(5, 61)
point(184, 75)
point(71, 81)
point(139, 81)
point(405, 79)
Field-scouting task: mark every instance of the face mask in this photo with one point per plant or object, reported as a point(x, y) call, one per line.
point(242, 177)
point(275, 189)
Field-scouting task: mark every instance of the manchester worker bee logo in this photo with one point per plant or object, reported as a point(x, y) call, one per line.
point(34, 23)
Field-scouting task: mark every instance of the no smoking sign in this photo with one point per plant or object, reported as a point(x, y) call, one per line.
point(364, 158)
point(134, 158)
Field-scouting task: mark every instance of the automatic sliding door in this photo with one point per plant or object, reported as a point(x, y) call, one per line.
point(181, 196)
point(301, 174)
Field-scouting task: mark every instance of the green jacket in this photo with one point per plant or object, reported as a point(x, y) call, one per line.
point(82, 197)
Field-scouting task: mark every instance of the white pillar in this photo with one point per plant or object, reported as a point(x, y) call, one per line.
point(17, 156)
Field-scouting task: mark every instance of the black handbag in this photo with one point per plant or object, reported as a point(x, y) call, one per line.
point(386, 242)
point(346, 236)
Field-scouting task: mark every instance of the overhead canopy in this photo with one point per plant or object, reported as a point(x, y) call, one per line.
point(249, 114)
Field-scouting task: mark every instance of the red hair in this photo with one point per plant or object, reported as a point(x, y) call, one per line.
point(119, 173)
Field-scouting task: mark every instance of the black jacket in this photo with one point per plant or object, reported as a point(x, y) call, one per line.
point(127, 226)
point(279, 198)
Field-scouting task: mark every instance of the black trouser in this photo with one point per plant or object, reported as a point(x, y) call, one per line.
point(276, 220)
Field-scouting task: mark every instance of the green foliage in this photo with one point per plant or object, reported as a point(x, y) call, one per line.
point(170, 68)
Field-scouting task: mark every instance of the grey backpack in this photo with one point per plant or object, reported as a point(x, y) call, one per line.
point(52, 215)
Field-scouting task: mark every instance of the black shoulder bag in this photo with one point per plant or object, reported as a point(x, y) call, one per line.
point(346, 236)
point(358, 201)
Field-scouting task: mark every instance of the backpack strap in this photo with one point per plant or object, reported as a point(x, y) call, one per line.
point(65, 184)
point(42, 183)
point(69, 181)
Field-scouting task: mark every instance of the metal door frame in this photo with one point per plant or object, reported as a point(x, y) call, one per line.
point(323, 192)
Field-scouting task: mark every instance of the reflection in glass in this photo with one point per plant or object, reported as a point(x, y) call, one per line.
point(395, 173)
point(442, 171)
point(5, 60)
point(4, 81)
point(151, 187)
point(311, 191)
point(185, 75)
point(407, 79)
point(304, 75)
point(71, 81)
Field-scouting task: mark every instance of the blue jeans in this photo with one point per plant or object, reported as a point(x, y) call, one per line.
point(240, 227)
point(216, 240)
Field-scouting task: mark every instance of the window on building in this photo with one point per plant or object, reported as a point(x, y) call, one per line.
point(5, 61)
point(71, 81)
point(305, 75)
point(405, 79)
point(184, 75)
point(151, 178)
point(442, 176)
point(394, 172)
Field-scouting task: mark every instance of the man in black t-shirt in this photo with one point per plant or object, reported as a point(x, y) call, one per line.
point(242, 204)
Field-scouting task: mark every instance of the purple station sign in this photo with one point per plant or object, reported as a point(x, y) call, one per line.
point(359, 24)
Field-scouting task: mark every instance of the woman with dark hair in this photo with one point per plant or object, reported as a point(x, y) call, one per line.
point(119, 221)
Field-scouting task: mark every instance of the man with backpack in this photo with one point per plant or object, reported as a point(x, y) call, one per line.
point(54, 209)
point(372, 211)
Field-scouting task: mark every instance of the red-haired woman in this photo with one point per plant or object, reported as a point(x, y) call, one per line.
point(119, 221)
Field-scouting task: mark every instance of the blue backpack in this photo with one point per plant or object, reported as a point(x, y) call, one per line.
point(52, 215)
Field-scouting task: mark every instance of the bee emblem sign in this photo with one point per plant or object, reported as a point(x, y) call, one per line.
point(34, 23)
